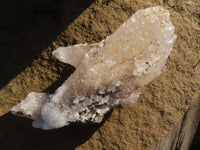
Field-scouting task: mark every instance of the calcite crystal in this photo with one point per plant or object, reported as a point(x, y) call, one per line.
point(108, 74)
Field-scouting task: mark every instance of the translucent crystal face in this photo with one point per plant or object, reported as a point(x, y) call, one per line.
point(108, 73)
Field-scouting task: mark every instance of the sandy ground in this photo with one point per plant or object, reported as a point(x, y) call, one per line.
point(30, 30)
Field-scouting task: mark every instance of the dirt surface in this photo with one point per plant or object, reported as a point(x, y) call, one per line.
point(30, 30)
point(182, 135)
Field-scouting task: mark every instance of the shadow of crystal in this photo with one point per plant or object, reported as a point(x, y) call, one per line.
point(17, 133)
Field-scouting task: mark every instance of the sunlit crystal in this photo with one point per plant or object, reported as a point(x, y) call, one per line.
point(108, 74)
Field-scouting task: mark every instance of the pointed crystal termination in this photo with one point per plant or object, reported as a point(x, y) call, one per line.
point(108, 74)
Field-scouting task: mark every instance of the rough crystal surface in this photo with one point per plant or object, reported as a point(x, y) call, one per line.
point(108, 74)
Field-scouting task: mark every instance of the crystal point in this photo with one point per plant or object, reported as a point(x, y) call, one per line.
point(108, 74)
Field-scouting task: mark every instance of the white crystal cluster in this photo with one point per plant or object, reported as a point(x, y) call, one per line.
point(108, 74)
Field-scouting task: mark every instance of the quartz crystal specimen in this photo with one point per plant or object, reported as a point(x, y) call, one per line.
point(108, 74)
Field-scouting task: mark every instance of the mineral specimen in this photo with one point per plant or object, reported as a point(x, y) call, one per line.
point(108, 74)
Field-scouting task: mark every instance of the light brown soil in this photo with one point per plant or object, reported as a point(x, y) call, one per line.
point(160, 106)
